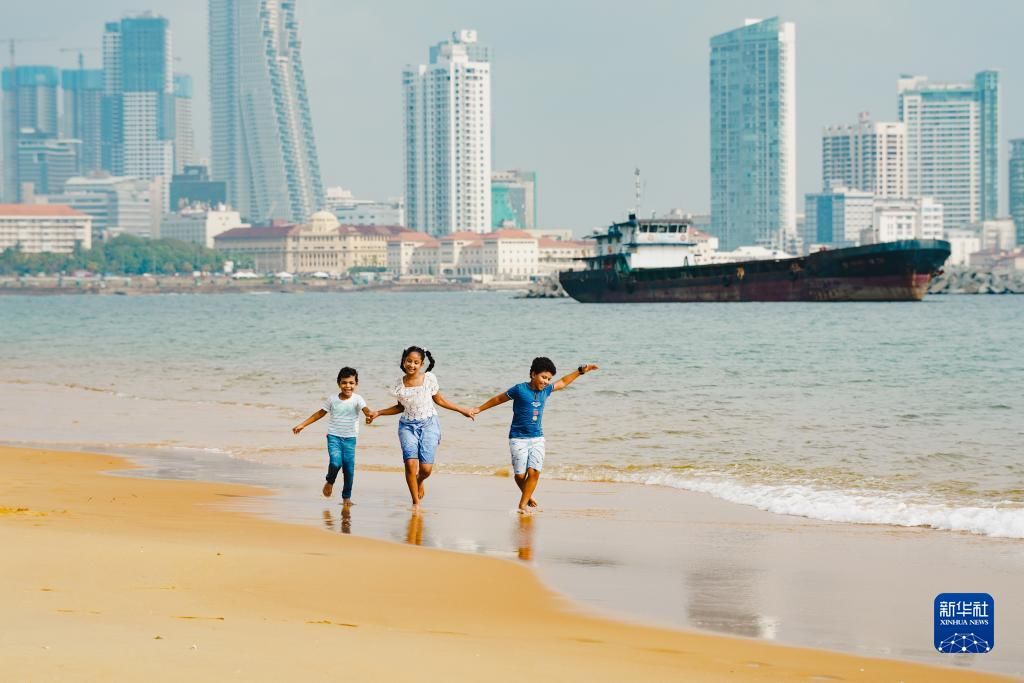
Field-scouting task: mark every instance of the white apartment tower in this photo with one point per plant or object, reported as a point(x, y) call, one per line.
point(139, 91)
point(953, 144)
point(869, 156)
point(753, 135)
point(261, 127)
point(448, 138)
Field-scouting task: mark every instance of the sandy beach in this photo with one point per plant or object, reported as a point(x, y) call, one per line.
point(119, 578)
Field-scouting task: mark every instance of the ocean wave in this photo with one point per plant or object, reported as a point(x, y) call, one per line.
point(1004, 520)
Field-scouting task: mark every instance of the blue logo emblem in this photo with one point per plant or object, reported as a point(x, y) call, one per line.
point(965, 623)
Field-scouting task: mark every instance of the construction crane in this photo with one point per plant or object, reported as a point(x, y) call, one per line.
point(14, 41)
point(81, 54)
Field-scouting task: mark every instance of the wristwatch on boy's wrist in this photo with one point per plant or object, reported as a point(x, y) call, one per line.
point(581, 369)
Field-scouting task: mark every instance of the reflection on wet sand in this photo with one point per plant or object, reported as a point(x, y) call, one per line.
point(414, 533)
point(722, 599)
point(346, 519)
point(524, 537)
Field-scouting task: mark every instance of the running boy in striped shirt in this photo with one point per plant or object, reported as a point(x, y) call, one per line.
point(342, 431)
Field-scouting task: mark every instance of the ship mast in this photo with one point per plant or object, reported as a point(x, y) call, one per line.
point(636, 191)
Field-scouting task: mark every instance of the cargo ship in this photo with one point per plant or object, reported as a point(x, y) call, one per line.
point(654, 260)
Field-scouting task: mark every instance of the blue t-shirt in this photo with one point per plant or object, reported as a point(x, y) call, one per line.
point(527, 410)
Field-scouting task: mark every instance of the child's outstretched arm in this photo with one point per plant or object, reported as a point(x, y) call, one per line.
point(493, 401)
point(309, 420)
point(445, 403)
point(574, 375)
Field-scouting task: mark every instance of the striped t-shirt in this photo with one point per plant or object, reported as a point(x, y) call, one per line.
point(344, 414)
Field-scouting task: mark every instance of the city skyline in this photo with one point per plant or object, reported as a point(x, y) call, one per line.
point(632, 103)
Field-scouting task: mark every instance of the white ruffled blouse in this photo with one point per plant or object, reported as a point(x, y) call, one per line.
point(417, 401)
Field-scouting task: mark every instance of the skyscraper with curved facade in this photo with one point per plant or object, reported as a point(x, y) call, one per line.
point(261, 128)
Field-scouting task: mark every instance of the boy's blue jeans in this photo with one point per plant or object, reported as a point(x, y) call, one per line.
point(342, 451)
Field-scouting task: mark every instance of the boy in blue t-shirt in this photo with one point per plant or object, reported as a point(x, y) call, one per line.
point(526, 435)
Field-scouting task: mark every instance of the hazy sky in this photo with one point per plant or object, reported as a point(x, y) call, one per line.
point(582, 92)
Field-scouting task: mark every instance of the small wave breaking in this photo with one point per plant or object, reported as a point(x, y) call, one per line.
point(830, 505)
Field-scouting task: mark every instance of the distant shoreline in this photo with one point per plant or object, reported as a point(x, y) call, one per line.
point(144, 286)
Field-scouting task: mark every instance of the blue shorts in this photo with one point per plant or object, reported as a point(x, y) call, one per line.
point(419, 439)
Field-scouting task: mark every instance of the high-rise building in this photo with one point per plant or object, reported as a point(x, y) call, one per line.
point(837, 217)
point(138, 111)
point(952, 144)
point(83, 112)
point(868, 156)
point(1017, 186)
point(45, 163)
point(111, 129)
point(514, 199)
point(261, 127)
point(193, 186)
point(753, 135)
point(184, 132)
point(448, 138)
point(29, 109)
point(116, 205)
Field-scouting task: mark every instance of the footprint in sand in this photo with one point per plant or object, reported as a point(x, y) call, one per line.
point(664, 651)
point(333, 623)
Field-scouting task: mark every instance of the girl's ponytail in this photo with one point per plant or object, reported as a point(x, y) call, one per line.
point(430, 365)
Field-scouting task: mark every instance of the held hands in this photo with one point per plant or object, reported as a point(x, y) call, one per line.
point(372, 416)
point(471, 413)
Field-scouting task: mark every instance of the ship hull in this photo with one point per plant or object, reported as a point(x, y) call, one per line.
point(891, 271)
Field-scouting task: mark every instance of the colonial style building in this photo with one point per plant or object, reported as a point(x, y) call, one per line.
point(554, 256)
point(503, 255)
point(38, 228)
point(322, 245)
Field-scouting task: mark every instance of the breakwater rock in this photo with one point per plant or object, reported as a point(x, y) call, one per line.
point(547, 288)
point(973, 281)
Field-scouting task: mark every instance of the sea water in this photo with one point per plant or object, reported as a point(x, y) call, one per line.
point(906, 414)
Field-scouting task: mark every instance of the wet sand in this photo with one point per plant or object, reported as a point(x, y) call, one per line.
point(114, 577)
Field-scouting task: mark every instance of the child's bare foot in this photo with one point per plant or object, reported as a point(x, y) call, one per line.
point(328, 488)
point(524, 511)
point(533, 503)
point(422, 491)
point(415, 508)
point(347, 502)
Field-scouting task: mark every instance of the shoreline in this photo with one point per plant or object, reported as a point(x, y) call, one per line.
point(137, 285)
point(56, 505)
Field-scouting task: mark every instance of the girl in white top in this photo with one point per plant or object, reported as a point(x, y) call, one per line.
point(419, 432)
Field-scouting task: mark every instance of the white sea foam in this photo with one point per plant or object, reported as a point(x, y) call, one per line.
point(858, 507)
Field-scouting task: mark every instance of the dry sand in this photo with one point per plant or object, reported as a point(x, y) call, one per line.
point(116, 578)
